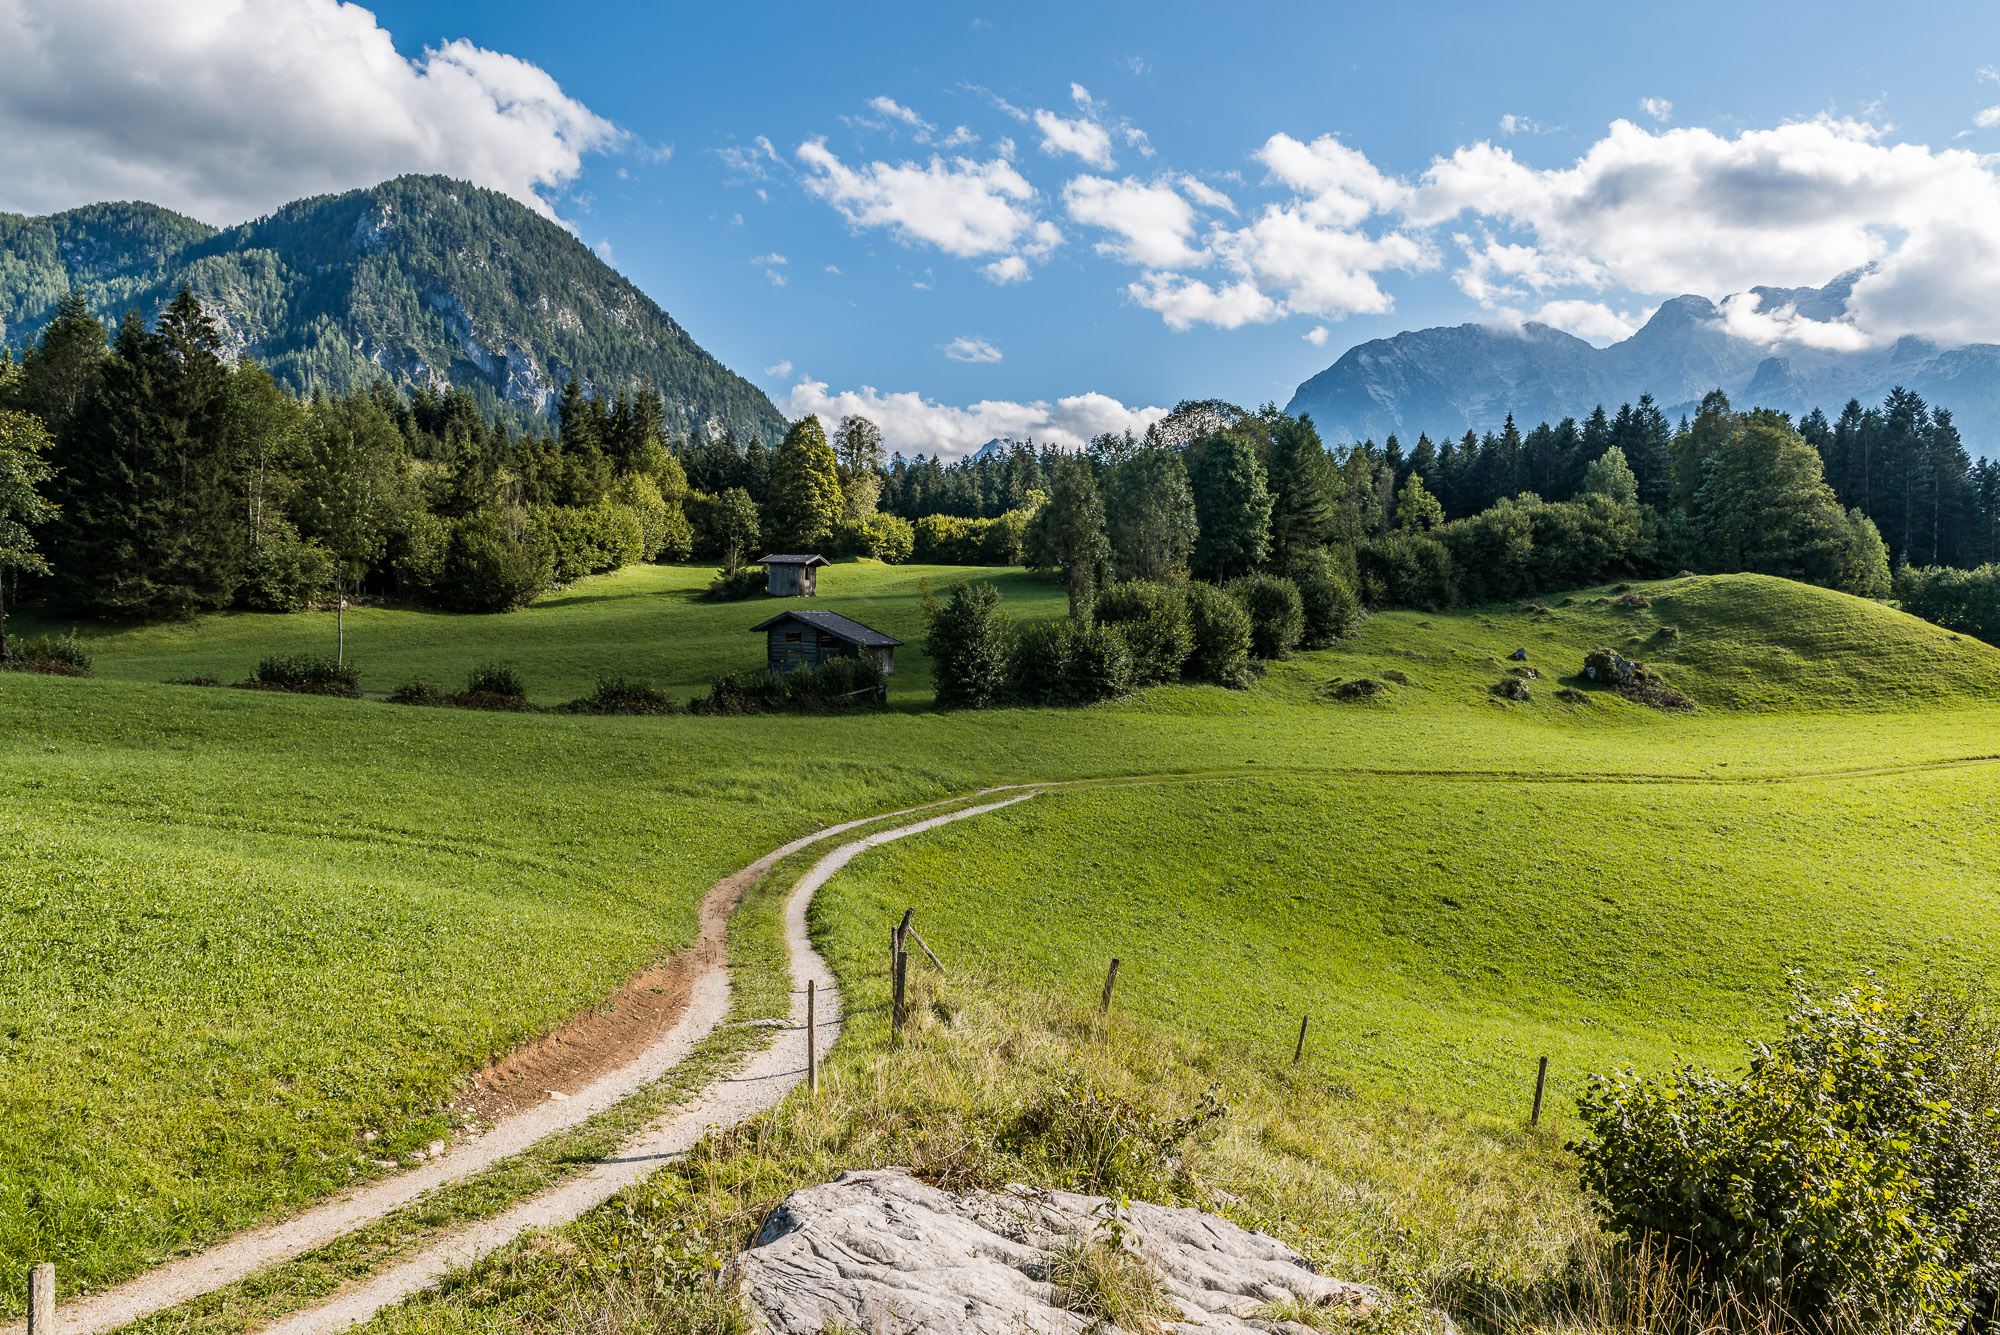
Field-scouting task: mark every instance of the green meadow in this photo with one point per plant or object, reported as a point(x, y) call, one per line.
point(244, 929)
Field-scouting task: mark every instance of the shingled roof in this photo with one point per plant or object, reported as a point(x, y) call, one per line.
point(780, 559)
point(833, 623)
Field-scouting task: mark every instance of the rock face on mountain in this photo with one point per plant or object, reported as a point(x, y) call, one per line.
point(1449, 380)
point(882, 1251)
point(422, 280)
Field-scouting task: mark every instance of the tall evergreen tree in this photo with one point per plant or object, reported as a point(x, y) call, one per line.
point(1149, 514)
point(60, 370)
point(804, 505)
point(1067, 535)
point(1232, 505)
point(1305, 488)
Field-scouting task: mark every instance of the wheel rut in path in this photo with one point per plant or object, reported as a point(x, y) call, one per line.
point(759, 1083)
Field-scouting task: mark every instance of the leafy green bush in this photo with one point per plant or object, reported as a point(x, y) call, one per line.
point(747, 582)
point(968, 644)
point(1277, 615)
point(57, 655)
point(1221, 637)
point(496, 679)
point(1154, 621)
point(494, 566)
point(1853, 1170)
point(1967, 601)
point(418, 692)
point(285, 573)
point(590, 540)
point(1068, 663)
point(889, 538)
point(1327, 597)
point(624, 695)
point(837, 683)
point(1408, 570)
point(308, 674)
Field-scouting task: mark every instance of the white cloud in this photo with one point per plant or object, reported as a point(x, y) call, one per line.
point(773, 258)
point(1153, 225)
point(1512, 124)
point(890, 109)
point(779, 372)
point(1988, 118)
point(776, 276)
point(1207, 196)
point(603, 249)
point(1080, 135)
point(1592, 321)
point(1659, 108)
point(1744, 316)
point(1317, 335)
point(965, 348)
point(1183, 302)
point(965, 208)
point(227, 109)
point(913, 424)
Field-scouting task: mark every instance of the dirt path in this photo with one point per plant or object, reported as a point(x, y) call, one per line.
point(595, 1061)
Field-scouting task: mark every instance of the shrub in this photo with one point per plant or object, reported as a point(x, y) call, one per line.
point(418, 692)
point(747, 582)
point(1853, 1170)
point(1070, 663)
point(1967, 601)
point(1154, 621)
point(284, 573)
point(496, 679)
point(887, 538)
point(1327, 597)
point(586, 541)
point(949, 540)
point(1408, 570)
point(1277, 615)
point(624, 695)
point(57, 655)
point(202, 679)
point(494, 567)
point(417, 555)
point(968, 645)
point(308, 674)
point(837, 683)
point(1221, 637)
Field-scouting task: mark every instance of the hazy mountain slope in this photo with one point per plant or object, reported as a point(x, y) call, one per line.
point(422, 279)
point(1448, 380)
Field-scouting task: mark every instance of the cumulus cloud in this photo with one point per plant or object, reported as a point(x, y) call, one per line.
point(1184, 302)
point(226, 109)
point(1317, 335)
point(965, 348)
point(1988, 118)
point(964, 208)
point(1592, 321)
point(1151, 224)
point(1659, 108)
point(1512, 124)
point(913, 424)
point(1079, 135)
point(780, 371)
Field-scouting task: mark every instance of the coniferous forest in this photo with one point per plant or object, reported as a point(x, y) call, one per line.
point(184, 482)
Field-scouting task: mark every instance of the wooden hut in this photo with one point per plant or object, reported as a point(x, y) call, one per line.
point(806, 639)
point(791, 576)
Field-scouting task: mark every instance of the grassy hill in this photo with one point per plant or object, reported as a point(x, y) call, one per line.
point(421, 279)
point(245, 928)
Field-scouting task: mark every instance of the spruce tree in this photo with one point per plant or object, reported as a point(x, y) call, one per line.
point(1232, 506)
point(804, 504)
point(1305, 488)
point(59, 371)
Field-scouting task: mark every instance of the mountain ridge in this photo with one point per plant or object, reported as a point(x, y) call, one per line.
point(1449, 379)
point(423, 280)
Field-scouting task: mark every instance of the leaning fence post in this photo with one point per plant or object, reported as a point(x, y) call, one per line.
point(1541, 1076)
point(901, 1015)
point(42, 1300)
point(812, 1038)
point(1110, 980)
point(1300, 1051)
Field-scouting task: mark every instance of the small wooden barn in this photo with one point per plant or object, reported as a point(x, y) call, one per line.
point(791, 576)
point(807, 639)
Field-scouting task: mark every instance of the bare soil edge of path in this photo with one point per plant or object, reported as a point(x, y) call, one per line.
point(604, 1063)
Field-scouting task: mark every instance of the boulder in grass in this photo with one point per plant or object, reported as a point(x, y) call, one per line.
point(880, 1250)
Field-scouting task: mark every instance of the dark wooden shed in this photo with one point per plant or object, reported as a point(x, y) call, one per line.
point(791, 576)
point(807, 639)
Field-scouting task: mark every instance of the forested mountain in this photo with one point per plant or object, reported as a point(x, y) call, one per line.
point(1447, 381)
point(425, 281)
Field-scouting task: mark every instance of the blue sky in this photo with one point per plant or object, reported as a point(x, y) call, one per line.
point(1035, 203)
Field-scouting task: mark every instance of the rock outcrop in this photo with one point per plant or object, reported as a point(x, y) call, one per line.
point(881, 1251)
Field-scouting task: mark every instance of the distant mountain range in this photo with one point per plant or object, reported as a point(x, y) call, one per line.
point(424, 280)
point(1447, 381)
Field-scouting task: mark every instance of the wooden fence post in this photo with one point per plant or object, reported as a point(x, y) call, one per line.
point(1300, 1051)
point(1110, 980)
point(812, 1038)
point(1541, 1076)
point(901, 1015)
point(42, 1300)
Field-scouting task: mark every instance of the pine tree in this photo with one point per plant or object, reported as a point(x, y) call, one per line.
point(804, 503)
point(1305, 488)
point(60, 370)
point(1417, 511)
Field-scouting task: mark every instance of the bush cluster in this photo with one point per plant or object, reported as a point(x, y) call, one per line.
point(1853, 1171)
point(747, 582)
point(836, 684)
point(57, 655)
point(1520, 546)
point(1967, 601)
point(307, 674)
point(948, 540)
point(1070, 663)
point(624, 695)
